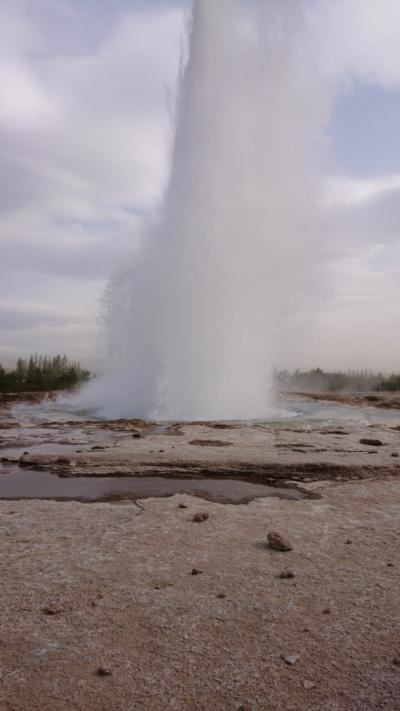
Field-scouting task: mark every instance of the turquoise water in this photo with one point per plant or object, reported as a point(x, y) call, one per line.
point(290, 413)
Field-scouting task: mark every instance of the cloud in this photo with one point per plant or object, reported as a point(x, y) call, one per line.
point(84, 136)
point(86, 95)
point(15, 317)
point(358, 39)
point(342, 190)
point(358, 321)
point(363, 212)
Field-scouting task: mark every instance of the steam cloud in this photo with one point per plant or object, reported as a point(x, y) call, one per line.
point(195, 325)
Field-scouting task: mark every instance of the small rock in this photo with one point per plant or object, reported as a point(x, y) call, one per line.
point(390, 565)
point(200, 517)
point(195, 571)
point(277, 543)
point(349, 542)
point(65, 461)
point(396, 661)
point(103, 671)
point(160, 451)
point(308, 684)
point(182, 506)
point(371, 442)
point(285, 574)
point(221, 596)
point(290, 658)
point(136, 435)
point(327, 610)
point(52, 609)
point(394, 454)
point(210, 443)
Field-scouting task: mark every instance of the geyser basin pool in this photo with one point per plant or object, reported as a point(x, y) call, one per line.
point(23, 484)
point(292, 411)
point(66, 456)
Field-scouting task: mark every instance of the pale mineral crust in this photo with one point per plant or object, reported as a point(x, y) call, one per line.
point(133, 605)
point(120, 578)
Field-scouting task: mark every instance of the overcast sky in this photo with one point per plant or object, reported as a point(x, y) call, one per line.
point(86, 97)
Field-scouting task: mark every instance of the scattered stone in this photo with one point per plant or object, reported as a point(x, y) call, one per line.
point(221, 596)
point(394, 454)
point(327, 610)
point(396, 661)
point(210, 443)
point(290, 658)
point(96, 602)
point(161, 450)
point(308, 684)
point(65, 461)
point(195, 571)
point(277, 543)
point(334, 432)
point(390, 565)
point(52, 609)
point(286, 574)
point(162, 585)
point(182, 506)
point(200, 517)
point(349, 542)
point(97, 446)
point(136, 435)
point(371, 442)
point(103, 671)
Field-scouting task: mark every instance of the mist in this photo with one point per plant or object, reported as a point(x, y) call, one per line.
point(195, 324)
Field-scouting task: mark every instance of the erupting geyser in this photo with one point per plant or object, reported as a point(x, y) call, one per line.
point(194, 324)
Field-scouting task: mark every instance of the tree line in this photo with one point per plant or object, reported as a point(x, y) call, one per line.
point(337, 381)
point(40, 372)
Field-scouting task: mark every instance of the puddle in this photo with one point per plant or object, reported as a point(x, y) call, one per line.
point(18, 483)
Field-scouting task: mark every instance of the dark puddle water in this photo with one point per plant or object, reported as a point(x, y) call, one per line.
point(29, 484)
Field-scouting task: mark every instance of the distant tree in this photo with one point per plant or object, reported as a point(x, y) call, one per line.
point(42, 373)
point(337, 381)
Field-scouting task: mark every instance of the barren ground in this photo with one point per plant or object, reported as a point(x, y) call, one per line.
point(86, 586)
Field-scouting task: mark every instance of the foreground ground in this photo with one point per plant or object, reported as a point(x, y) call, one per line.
point(118, 580)
point(99, 606)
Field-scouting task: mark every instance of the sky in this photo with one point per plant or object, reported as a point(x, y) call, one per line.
point(87, 95)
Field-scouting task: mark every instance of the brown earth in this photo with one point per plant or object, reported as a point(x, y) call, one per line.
point(119, 579)
point(383, 400)
point(100, 609)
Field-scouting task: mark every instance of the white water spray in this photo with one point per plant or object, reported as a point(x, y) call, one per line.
point(193, 326)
